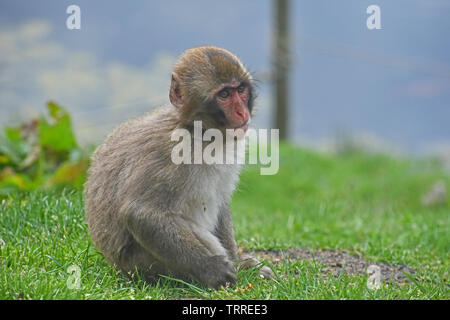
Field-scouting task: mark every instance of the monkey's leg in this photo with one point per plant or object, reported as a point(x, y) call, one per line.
point(225, 233)
point(169, 238)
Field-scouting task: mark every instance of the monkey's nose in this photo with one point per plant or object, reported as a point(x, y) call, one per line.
point(242, 115)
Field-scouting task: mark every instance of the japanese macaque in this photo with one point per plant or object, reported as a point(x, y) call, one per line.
point(148, 214)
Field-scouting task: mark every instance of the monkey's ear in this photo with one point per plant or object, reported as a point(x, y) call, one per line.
point(175, 94)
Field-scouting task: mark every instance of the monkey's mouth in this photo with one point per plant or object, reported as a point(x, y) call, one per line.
point(243, 126)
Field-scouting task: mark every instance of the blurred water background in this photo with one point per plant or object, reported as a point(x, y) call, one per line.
point(386, 89)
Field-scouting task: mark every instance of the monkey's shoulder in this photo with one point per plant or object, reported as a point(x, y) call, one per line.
point(160, 120)
point(151, 130)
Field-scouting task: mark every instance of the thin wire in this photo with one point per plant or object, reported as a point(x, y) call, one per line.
point(380, 58)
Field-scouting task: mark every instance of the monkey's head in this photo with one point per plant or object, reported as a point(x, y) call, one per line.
point(211, 84)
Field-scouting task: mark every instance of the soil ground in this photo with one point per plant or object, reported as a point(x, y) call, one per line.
point(337, 262)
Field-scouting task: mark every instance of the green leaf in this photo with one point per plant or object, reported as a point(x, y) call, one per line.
point(56, 112)
point(57, 135)
point(70, 173)
point(13, 134)
point(11, 150)
point(12, 179)
point(4, 159)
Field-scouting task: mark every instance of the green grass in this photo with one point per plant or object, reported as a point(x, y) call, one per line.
point(366, 204)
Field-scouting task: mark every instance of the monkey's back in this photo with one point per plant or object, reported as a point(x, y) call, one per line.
point(118, 167)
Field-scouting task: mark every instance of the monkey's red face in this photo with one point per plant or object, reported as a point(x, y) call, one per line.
point(233, 99)
point(211, 85)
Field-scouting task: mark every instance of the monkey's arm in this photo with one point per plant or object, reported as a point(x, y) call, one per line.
point(225, 232)
point(167, 237)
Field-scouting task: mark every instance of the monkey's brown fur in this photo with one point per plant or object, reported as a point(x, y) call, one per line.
point(148, 214)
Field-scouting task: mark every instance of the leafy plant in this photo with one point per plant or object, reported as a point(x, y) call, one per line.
point(41, 153)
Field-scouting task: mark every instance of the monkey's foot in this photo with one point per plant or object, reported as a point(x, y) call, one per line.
point(247, 261)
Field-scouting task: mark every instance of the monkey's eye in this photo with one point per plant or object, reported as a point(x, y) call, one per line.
point(224, 93)
point(241, 88)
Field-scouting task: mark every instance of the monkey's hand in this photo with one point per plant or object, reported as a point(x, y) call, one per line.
point(217, 271)
point(247, 261)
point(187, 250)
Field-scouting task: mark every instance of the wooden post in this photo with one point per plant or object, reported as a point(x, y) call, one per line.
point(281, 66)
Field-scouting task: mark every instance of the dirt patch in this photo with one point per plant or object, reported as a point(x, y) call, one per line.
point(338, 262)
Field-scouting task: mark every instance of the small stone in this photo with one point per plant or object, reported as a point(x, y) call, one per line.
point(436, 195)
